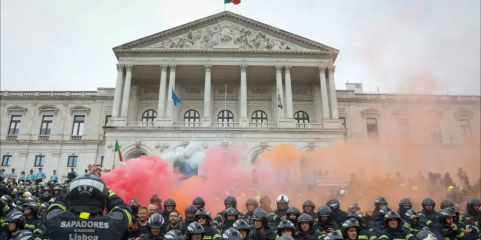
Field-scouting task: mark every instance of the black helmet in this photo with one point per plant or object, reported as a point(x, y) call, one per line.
point(191, 209)
point(16, 217)
point(324, 211)
point(309, 203)
point(261, 215)
point(379, 201)
point(384, 210)
point(194, 227)
point(293, 210)
point(410, 213)
point(353, 207)
point(447, 203)
point(232, 234)
point(203, 213)
point(405, 202)
point(231, 200)
point(174, 235)
point(447, 212)
point(392, 215)
point(349, 223)
point(428, 201)
point(305, 218)
point(231, 211)
point(199, 200)
point(33, 206)
point(333, 236)
point(355, 214)
point(253, 202)
point(425, 235)
point(88, 193)
point(156, 199)
point(241, 224)
point(333, 204)
point(285, 237)
point(169, 202)
point(285, 224)
point(265, 199)
point(470, 206)
point(7, 199)
point(156, 221)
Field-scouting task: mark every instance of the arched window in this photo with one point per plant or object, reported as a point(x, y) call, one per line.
point(225, 116)
point(148, 117)
point(192, 118)
point(259, 117)
point(302, 118)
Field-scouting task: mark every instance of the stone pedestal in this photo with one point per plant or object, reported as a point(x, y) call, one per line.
point(286, 123)
point(332, 123)
point(206, 122)
point(118, 122)
point(244, 122)
point(164, 122)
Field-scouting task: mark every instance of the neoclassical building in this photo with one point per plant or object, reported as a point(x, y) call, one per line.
point(224, 80)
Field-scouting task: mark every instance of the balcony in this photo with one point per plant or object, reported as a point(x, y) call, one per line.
point(262, 125)
point(309, 125)
point(76, 137)
point(140, 124)
point(12, 137)
point(188, 124)
point(224, 125)
point(44, 137)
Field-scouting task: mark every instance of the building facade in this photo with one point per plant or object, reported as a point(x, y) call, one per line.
point(239, 82)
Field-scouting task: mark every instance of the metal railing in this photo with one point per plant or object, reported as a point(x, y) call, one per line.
point(187, 124)
point(262, 125)
point(225, 124)
point(140, 124)
point(309, 125)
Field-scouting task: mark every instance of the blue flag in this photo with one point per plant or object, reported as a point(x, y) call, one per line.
point(175, 98)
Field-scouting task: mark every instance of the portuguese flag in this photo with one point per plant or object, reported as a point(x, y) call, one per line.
point(117, 149)
point(235, 2)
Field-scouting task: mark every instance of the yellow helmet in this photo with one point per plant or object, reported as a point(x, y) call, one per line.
point(450, 188)
point(258, 198)
point(402, 184)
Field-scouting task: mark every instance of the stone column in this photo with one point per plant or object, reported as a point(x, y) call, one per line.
point(118, 91)
point(163, 81)
point(170, 102)
point(324, 95)
point(206, 120)
point(333, 94)
point(288, 101)
point(243, 121)
point(280, 93)
point(126, 95)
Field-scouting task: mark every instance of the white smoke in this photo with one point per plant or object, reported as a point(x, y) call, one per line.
point(192, 154)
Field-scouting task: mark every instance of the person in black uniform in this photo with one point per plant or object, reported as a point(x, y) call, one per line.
point(262, 231)
point(351, 230)
point(293, 214)
point(133, 230)
point(190, 212)
point(306, 231)
point(198, 202)
point(231, 216)
point(156, 222)
point(428, 213)
point(324, 222)
point(243, 227)
point(308, 207)
point(392, 228)
point(195, 231)
point(280, 213)
point(16, 223)
point(88, 197)
point(174, 235)
point(229, 202)
point(251, 205)
point(169, 206)
point(203, 217)
point(404, 205)
point(286, 227)
point(232, 234)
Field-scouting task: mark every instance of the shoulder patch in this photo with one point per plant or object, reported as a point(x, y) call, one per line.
point(54, 213)
point(115, 215)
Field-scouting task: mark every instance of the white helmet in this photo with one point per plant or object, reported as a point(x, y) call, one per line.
point(282, 199)
point(342, 192)
point(27, 195)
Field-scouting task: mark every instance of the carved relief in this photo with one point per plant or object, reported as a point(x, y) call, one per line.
point(258, 90)
point(146, 89)
point(192, 89)
point(226, 35)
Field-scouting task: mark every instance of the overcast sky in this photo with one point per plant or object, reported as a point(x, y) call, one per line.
point(399, 46)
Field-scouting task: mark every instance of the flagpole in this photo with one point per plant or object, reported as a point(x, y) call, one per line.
point(113, 164)
point(225, 102)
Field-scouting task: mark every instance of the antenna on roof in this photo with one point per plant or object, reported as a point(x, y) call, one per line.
point(347, 81)
point(447, 90)
point(377, 90)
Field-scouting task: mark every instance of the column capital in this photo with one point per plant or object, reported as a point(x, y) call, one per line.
point(208, 67)
point(243, 67)
point(120, 67)
point(128, 68)
point(278, 68)
point(172, 67)
point(164, 67)
point(331, 69)
point(287, 68)
point(322, 69)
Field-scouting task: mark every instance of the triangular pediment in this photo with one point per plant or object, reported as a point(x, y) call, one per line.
point(226, 31)
point(16, 109)
point(47, 109)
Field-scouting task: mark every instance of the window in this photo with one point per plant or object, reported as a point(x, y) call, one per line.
point(436, 133)
point(102, 161)
point(225, 116)
point(78, 125)
point(39, 161)
point(192, 116)
point(149, 116)
point(6, 160)
point(465, 127)
point(403, 125)
point(15, 125)
point(343, 122)
point(72, 161)
point(372, 130)
point(259, 117)
point(46, 125)
point(301, 117)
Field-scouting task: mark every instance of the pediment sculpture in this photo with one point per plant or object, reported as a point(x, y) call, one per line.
point(225, 35)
